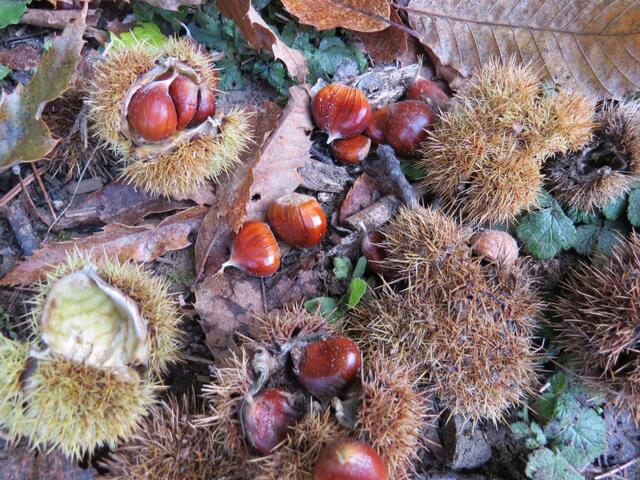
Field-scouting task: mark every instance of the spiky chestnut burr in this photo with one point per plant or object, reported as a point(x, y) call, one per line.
point(393, 412)
point(607, 168)
point(484, 155)
point(101, 334)
point(173, 161)
point(598, 319)
point(171, 445)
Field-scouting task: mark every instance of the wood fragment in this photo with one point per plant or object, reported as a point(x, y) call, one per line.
point(21, 226)
point(322, 177)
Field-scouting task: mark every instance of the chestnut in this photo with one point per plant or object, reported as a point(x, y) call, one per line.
point(407, 125)
point(206, 105)
point(151, 112)
point(427, 91)
point(373, 252)
point(326, 368)
point(184, 93)
point(375, 129)
point(267, 417)
point(351, 150)
point(254, 250)
point(349, 459)
point(340, 111)
point(298, 220)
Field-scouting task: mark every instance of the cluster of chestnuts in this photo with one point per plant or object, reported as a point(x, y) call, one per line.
point(297, 219)
point(344, 113)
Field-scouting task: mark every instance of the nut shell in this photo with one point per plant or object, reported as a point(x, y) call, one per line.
point(206, 105)
point(375, 129)
point(298, 220)
point(349, 460)
point(495, 246)
point(351, 150)
point(327, 367)
point(407, 125)
point(267, 418)
point(341, 111)
point(427, 91)
point(184, 93)
point(255, 250)
point(152, 114)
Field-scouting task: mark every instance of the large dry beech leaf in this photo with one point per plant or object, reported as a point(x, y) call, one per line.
point(386, 45)
point(592, 45)
point(140, 244)
point(24, 137)
point(269, 171)
point(259, 35)
point(358, 15)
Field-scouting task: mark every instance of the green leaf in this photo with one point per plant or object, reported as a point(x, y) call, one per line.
point(11, 11)
point(520, 430)
point(146, 32)
point(581, 216)
point(547, 404)
point(614, 209)
point(412, 171)
point(545, 464)
point(547, 231)
point(587, 238)
point(361, 266)
point(357, 288)
point(4, 71)
point(611, 235)
point(326, 306)
point(582, 439)
point(633, 209)
point(342, 267)
point(539, 438)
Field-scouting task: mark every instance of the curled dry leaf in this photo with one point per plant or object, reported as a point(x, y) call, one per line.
point(358, 15)
point(386, 45)
point(259, 35)
point(364, 192)
point(269, 171)
point(590, 46)
point(140, 244)
point(24, 137)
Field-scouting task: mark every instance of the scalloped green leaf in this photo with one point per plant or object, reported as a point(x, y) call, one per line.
point(11, 11)
point(633, 208)
point(547, 231)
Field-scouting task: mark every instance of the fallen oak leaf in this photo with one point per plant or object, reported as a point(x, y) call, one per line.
point(259, 35)
point(592, 48)
point(269, 171)
point(357, 15)
point(140, 244)
point(24, 137)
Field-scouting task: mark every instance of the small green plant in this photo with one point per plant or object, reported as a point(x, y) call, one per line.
point(334, 307)
point(567, 434)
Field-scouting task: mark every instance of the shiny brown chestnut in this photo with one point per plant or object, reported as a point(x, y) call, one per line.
point(184, 93)
point(151, 112)
point(407, 125)
point(340, 111)
point(206, 105)
point(427, 91)
point(326, 368)
point(254, 250)
point(351, 150)
point(349, 459)
point(298, 220)
point(267, 418)
point(375, 129)
point(373, 252)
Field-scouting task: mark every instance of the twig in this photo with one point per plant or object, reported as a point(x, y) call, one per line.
point(44, 190)
point(192, 358)
point(387, 171)
point(618, 469)
point(11, 194)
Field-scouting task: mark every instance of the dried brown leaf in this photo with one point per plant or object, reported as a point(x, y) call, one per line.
point(363, 193)
point(386, 45)
point(268, 172)
point(259, 35)
point(40, 17)
point(141, 244)
point(590, 46)
point(358, 15)
point(20, 57)
point(23, 135)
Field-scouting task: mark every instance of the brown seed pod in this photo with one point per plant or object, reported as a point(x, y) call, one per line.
point(495, 246)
